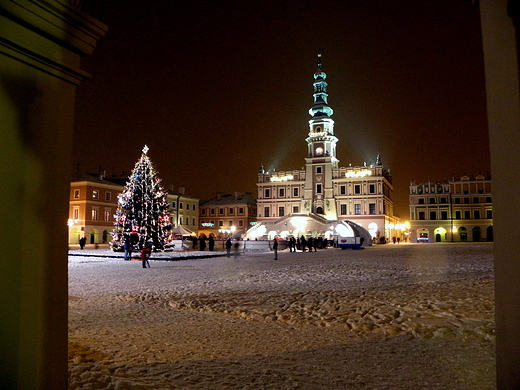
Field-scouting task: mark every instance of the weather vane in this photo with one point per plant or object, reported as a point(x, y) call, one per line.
point(145, 149)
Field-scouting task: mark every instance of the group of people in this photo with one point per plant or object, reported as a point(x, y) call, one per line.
point(201, 242)
point(145, 252)
point(303, 244)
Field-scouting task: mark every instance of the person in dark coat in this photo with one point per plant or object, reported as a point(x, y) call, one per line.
point(211, 242)
point(202, 243)
point(310, 243)
point(82, 242)
point(275, 248)
point(303, 243)
point(128, 249)
point(228, 247)
point(145, 255)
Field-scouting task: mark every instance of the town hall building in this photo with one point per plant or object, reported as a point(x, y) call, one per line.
point(322, 191)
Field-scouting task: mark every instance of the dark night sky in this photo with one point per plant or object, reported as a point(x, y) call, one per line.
point(215, 88)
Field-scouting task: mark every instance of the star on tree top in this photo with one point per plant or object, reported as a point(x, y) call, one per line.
point(145, 149)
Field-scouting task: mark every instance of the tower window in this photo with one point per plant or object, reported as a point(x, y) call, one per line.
point(318, 169)
point(318, 188)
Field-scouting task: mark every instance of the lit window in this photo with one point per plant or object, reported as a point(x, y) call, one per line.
point(95, 194)
point(372, 208)
point(76, 194)
point(94, 214)
point(357, 209)
point(76, 213)
point(107, 215)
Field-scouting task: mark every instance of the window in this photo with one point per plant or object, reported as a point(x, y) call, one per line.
point(489, 214)
point(372, 208)
point(241, 210)
point(476, 199)
point(420, 201)
point(231, 211)
point(357, 209)
point(466, 200)
point(95, 194)
point(221, 211)
point(372, 189)
point(458, 214)
point(281, 192)
point(194, 207)
point(422, 215)
point(444, 215)
point(318, 188)
point(193, 222)
point(267, 193)
point(295, 209)
point(212, 211)
point(318, 169)
point(281, 211)
point(488, 199)
point(343, 209)
point(221, 223)
point(240, 222)
point(266, 211)
point(444, 200)
point(467, 214)
point(107, 215)
point(230, 223)
point(95, 214)
point(76, 194)
point(180, 220)
point(295, 191)
point(342, 190)
point(476, 214)
point(108, 195)
point(174, 204)
point(357, 189)
point(432, 200)
point(181, 206)
point(457, 200)
point(203, 211)
point(75, 213)
point(433, 215)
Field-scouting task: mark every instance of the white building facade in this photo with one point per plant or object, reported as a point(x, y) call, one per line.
point(361, 194)
point(457, 210)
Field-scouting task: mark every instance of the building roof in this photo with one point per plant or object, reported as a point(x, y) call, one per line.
point(237, 198)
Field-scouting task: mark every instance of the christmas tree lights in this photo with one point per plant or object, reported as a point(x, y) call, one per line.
point(142, 215)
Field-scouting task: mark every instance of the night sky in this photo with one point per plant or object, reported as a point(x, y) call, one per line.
point(216, 88)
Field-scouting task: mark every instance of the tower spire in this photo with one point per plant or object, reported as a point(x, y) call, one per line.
point(320, 107)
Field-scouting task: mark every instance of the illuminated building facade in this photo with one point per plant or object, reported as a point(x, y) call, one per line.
point(457, 210)
point(227, 214)
point(361, 194)
point(93, 203)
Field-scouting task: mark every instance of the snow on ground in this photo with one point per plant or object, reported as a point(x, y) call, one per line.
point(414, 316)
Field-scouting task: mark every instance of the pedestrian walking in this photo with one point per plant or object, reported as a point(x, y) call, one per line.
point(145, 255)
point(211, 242)
point(275, 248)
point(228, 247)
point(303, 243)
point(202, 243)
point(128, 249)
point(82, 242)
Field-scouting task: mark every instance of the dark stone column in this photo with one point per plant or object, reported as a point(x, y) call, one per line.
point(41, 44)
point(503, 108)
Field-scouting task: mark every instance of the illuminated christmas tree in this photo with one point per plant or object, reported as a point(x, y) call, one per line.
point(142, 215)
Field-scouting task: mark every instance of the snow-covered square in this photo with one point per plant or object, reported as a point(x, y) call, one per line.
point(409, 316)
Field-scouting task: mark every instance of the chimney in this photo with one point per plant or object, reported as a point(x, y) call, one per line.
point(182, 190)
